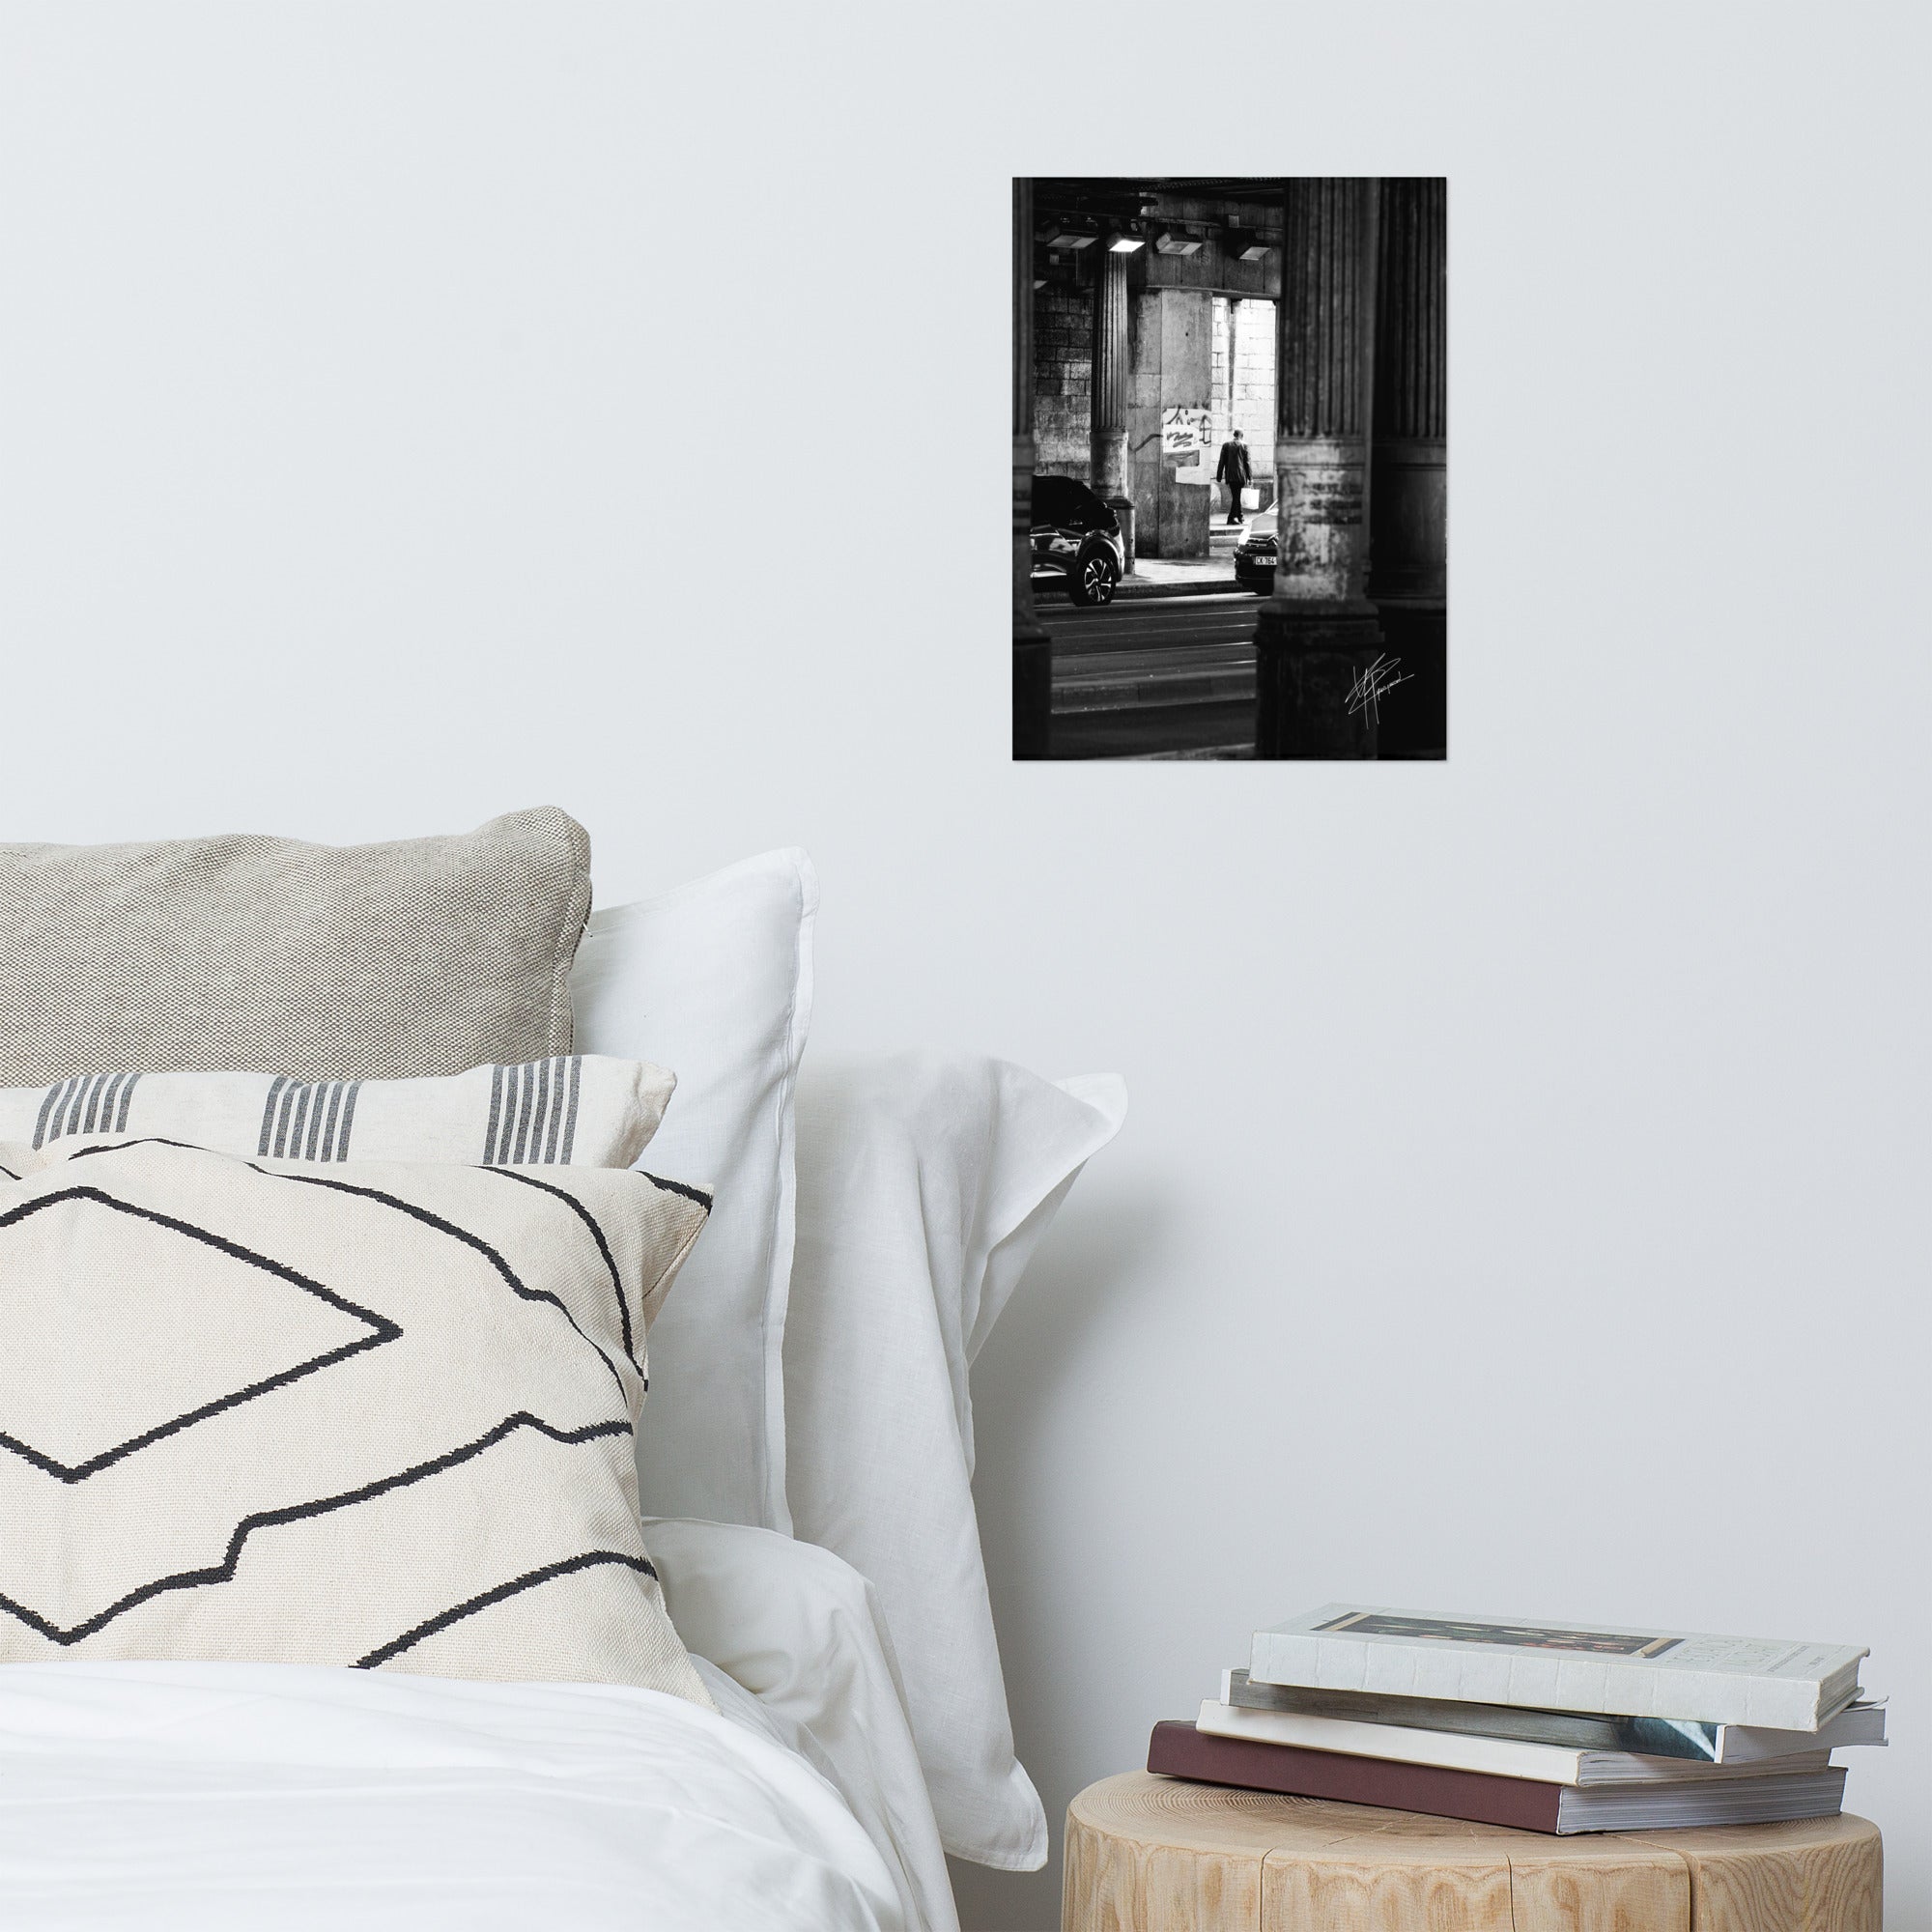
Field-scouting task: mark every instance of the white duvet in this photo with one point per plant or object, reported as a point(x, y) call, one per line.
point(223, 1795)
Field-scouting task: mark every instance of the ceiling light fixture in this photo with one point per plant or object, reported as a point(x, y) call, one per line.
point(1177, 242)
point(1069, 234)
point(1246, 246)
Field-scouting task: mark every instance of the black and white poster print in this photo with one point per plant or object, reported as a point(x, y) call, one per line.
point(1229, 467)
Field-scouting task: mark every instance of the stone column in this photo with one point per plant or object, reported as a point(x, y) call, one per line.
point(1318, 636)
point(1408, 555)
point(1033, 650)
point(1109, 446)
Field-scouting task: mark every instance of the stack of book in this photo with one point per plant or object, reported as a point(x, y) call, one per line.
point(1546, 1727)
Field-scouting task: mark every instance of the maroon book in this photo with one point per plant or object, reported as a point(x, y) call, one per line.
point(1178, 1751)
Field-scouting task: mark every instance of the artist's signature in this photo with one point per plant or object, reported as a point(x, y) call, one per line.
point(1374, 684)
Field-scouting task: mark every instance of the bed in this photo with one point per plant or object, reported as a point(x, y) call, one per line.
point(229, 1794)
point(719, 1657)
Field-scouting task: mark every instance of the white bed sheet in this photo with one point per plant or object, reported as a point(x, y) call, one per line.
point(222, 1796)
point(800, 1628)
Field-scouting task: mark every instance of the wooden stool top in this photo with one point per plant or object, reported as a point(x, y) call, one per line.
point(1164, 1854)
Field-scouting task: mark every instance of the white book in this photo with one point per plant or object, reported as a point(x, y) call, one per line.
point(1555, 1666)
point(1860, 1724)
point(1493, 1757)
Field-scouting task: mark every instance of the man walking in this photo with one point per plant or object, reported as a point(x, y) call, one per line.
point(1236, 473)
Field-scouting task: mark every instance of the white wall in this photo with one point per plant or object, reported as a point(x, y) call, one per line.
point(1525, 1204)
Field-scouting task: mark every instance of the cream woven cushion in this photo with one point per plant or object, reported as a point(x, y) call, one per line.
point(573, 1109)
point(369, 1414)
point(320, 962)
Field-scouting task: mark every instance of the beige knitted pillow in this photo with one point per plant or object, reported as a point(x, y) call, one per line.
point(366, 1414)
point(321, 962)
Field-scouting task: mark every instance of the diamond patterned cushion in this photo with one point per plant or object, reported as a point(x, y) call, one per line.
point(372, 1415)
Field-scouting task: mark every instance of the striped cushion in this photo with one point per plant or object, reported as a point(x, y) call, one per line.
point(571, 1110)
point(373, 1414)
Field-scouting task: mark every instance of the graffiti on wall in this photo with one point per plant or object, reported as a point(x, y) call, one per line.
point(1184, 441)
point(1185, 431)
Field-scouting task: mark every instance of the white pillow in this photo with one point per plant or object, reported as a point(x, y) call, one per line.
point(714, 981)
point(926, 1181)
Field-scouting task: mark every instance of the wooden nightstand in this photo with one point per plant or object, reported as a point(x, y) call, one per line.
point(1148, 1853)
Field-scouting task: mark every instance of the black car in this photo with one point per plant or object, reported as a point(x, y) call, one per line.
point(1253, 555)
point(1076, 536)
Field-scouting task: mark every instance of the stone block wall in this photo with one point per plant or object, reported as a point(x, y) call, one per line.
point(1222, 347)
point(1244, 397)
point(1254, 379)
point(1063, 350)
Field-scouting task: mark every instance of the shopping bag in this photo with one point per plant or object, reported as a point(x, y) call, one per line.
point(1251, 498)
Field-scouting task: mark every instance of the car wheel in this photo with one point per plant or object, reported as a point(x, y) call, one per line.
point(1092, 583)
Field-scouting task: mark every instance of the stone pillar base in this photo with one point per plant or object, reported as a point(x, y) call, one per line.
point(1123, 508)
point(1032, 696)
point(1309, 659)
